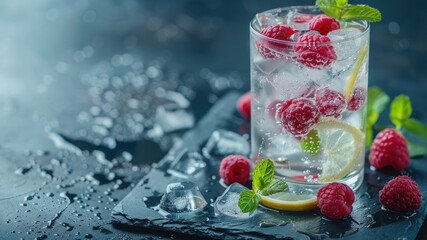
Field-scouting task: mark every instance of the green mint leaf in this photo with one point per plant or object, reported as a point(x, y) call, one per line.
point(329, 7)
point(263, 174)
point(277, 185)
point(310, 143)
point(400, 110)
point(377, 102)
point(248, 200)
point(416, 127)
point(416, 150)
point(341, 3)
point(360, 12)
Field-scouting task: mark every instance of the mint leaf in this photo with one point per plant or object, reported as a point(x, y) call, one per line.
point(417, 150)
point(377, 102)
point(329, 7)
point(360, 12)
point(341, 3)
point(416, 127)
point(310, 143)
point(400, 111)
point(263, 174)
point(277, 185)
point(248, 200)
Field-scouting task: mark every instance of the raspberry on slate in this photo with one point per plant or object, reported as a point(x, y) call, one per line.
point(244, 105)
point(270, 49)
point(329, 102)
point(357, 99)
point(298, 115)
point(401, 195)
point(234, 168)
point(389, 149)
point(324, 24)
point(314, 50)
point(335, 200)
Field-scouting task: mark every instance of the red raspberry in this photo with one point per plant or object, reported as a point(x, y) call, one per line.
point(357, 99)
point(329, 102)
point(389, 149)
point(401, 195)
point(270, 49)
point(298, 115)
point(324, 24)
point(235, 168)
point(244, 105)
point(314, 51)
point(335, 200)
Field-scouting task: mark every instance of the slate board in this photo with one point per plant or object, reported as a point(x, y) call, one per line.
point(367, 221)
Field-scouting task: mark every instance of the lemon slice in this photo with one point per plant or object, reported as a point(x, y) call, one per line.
point(289, 201)
point(341, 146)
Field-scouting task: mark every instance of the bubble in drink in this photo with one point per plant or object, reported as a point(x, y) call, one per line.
point(182, 197)
point(223, 143)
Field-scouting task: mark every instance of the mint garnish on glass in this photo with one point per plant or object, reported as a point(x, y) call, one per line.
point(263, 183)
point(341, 10)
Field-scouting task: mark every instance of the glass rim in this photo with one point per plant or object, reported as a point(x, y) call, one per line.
point(253, 31)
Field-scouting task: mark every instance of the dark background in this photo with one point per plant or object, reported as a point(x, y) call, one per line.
point(198, 48)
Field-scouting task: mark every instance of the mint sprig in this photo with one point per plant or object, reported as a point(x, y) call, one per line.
point(342, 11)
point(264, 184)
point(400, 116)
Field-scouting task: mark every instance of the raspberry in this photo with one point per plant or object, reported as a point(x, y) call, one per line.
point(244, 105)
point(314, 51)
point(401, 195)
point(335, 200)
point(389, 149)
point(234, 168)
point(324, 24)
point(357, 99)
point(279, 32)
point(298, 115)
point(329, 102)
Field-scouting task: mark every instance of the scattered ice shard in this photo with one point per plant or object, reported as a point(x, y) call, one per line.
point(227, 203)
point(187, 164)
point(223, 142)
point(182, 197)
point(346, 45)
point(171, 120)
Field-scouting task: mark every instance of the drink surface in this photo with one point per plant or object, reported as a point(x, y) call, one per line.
point(309, 97)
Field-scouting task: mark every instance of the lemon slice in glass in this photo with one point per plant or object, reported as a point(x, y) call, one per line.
point(289, 201)
point(342, 145)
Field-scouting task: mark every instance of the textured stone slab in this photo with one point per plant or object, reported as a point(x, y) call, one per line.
point(368, 220)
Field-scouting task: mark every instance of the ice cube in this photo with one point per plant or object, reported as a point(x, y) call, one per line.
point(343, 47)
point(267, 66)
point(299, 21)
point(223, 143)
point(263, 20)
point(182, 197)
point(171, 120)
point(187, 164)
point(227, 203)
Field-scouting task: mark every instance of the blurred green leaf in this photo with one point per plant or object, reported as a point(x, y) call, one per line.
point(416, 149)
point(400, 110)
point(416, 127)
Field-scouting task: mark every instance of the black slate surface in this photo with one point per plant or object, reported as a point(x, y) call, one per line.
point(367, 221)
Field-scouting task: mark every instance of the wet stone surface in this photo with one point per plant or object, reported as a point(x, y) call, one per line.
point(368, 220)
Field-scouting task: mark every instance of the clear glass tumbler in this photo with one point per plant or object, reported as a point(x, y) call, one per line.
point(309, 95)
